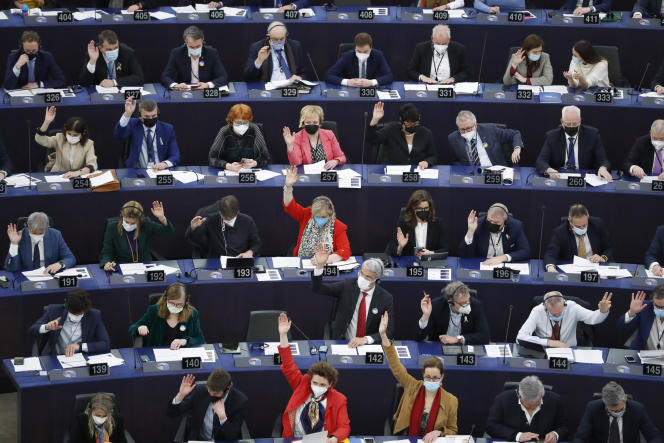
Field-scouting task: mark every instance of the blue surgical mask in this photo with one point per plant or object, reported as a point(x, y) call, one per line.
point(320, 221)
point(277, 46)
point(431, 386)
point(195, 52)
point(659, 313)
point(112, 56)
point(127, 227)
point(579, 231)
point(576, 60)
point(534, 57)
point(554, 318)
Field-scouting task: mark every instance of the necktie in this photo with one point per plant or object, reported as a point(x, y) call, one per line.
point(363, 72)
point(216, 426)
point(555, 333)
point(31, 71)
point(585, 3)
point(149, 146)
point(581, 248)
point(36, 260)
point(570, 154)
point(111, 71)
point(614, 431)
point(474, 156)
point(282, 63)
point(657, 167)
point(362, 317)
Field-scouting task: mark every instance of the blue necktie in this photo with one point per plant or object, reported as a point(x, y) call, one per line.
point(36, 261)
point(570, 154)
point(150, 147)
point(474, 155)
point(283, 64)
point(31, 71)
point(363, 72)
point(111, 71)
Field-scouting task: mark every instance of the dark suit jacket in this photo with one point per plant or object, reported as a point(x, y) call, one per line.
point(591, 150)
point(5, 161)
point(167, 144)
point(656, 250)
point(642, 154)
point(436, 238)
point(642, 323)
point(93, 331)
point(648, 8)
point(55, 250)
point(513, 239)
point(128, 71)
point(394, 141)
point(240, 238)
point(191, 331)
point(492, 136)
point(80, 432)
point(195, 406)
point(348, 67)
point(562, 246)
point(474, 326)
point(659, 77)
point(116, 246)
point(346, 292)
point(46, 70)
point(600, 5)
point(506, 418)
point(420, 62)
point(594, 426)
point(178, 68)
point(293, 54)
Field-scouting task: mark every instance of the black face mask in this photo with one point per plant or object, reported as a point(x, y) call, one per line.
point(571, 130)
point(423, 214)
point(410, 129)
point(150, 122)
point(214, 399)
point(311, 129)
point(492, 227)
point(31, 55)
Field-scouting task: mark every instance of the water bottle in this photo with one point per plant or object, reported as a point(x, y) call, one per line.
point(24, 10)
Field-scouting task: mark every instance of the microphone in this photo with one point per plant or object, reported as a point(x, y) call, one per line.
point(539, 252)
point(637, 91)
point(507, 330)
point(131, 338)
point(479, 75)
point(330, 5)
point(29, 158)
point(320, 85)
point(364, 139)
point(313, 347)
point(530, 175)
point(472, 429)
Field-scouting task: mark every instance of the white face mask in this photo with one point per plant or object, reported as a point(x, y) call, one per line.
point(127, 227)
point(231, 222)
point(240, 129)
point(173, 310)
point(318, 390)
point(469, 135)
point(74, 318)
point(440, 48)
point(465, 310)
point(37, 238)
point(99, 420)
point(658, 144)
point(361, 56)
point(73, 140)
point(363, 283)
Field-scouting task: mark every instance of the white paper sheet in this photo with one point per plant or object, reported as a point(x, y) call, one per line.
point(414, 87)
point(140, 268)
point(167, 269)
point(397, 169)
point(536, 89)
point(567, 353)
point(222, 260)
point(81, 272)
point(161, 15)
point(560, 89)
point(651, 94)
point(268, 275)
point(272, 348)
point(588, 356)
point(347, 265)
point(107, 358)
point(648, 179)
point(654, 356)
point(392, 94)
point(101, 179)
point(307, 12)
point(444, 274)
point(56, 179)
point(85, 15)
point(523, 268)
point(188, 9)
point(306, 264)
point(342, 350)
point(595, 180)
point(3, 16)
point(265, 174)
point(21, 180)
point(187, 176)
point(349, 182)
point(161, 354)
point(466, 88)
point(453, 13)
point(75, 361)
point(402, 352)
point(314, 168)
point(429, 173)
point(29, 364)
point(268, 10)
point(133, 88)
point(286, 262)
point(269, 86)
point(379, 11)
point(229, 173)
point(498, 351)
point(566, 175)
point(105, 90)
point(346, 173)
point(19, 93)
point(37, 275)
point(362, 350)
point(234, 12)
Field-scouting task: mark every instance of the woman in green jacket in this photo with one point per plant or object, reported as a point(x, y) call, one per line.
point(130, 240)
point(172, 321)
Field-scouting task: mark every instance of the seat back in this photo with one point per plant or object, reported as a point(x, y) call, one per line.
point(22, 222)
point(330, 126)
point(263, 326)
point(38, 343)
point(345, 47)
point(278, 427)
point(510, 385)
point(612, 55)
point(81, 401)
point(507, 147)
point(377, 151)
point(389, 421)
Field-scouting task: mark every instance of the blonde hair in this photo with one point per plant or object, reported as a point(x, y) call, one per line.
point(104, 402)
point(174, 292)
point(322, 204)
point(311, 110)
point(131, 209)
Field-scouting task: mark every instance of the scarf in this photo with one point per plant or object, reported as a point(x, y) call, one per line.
point(313, 416)
point(418, 409)
point(312, 236)
point(100, 434)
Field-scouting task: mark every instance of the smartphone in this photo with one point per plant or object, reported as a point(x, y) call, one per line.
point(322, 349)
point(630, 359)
point(259, 269)
point(267, 41)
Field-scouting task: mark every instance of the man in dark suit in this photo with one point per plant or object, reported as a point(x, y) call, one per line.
point(227, 232)
point(5, 162)
point(31, 67)
point(580, 235)
point(439, 60)
point(117, 66)
point(576, 7)
point(453, 318)
point(281, 5)
point(37, 245)
point(658, 81)
point(647, 8)
point(215, 411)
point(275, 58)
point(647, 319)
point(616, 419)
point(527, 413)
point(482, 145)
point(655, 254)
point(152, 142)
point(498, 237)
point(362, 66)
point(360, 302)
point(573, 146)
point(72, 327)
point(647, 155)
point(194, 64)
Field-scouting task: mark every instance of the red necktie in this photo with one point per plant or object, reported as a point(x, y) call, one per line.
point(555, 334)
point(362, 317)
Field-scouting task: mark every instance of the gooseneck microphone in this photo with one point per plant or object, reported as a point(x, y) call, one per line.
point(320, 85)
point(637, 91)
point(313, 347)
point(479, 75)
point(507, 330)
point(364, 138)
point(539, 251)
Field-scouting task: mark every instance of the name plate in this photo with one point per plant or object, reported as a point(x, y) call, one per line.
point(515, 17)
point(3, 188)
point(211, 92)
point(652, 370)
point(367, 92)
point(410, 177)
point(80, 183)
point(191, 363)
point(52, 97)
point(330, 271)
point(244, 272)
point(98, 369)
point(591, 18)
point(558, 363)
point(289, 92)
point(216, 14)
point(466, 360)
point(132, 93)
point(328, 177)
point(165, 180)
point(141, 16)
point(155, 276)
point(576, 182)
point(445, 92)
point(524, 94)
point(68, 281)
point(365, 14)
point(247, 178)
point(374, 358)
point(65, 17)
point(589, 277)
point(502, 273)
point(493, 178)
point(291, 14)
point(415, 271)
point(441, 15)
point(657, 186)
point(603, 97)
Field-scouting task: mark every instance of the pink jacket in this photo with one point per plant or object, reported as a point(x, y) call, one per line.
point(301, 154)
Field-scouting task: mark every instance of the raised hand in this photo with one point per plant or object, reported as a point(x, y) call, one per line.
point(158, 209)
point(637, 305)
point(50, 114)
point(130, 107)
point(196, 222)
point(289, 138)
point(518, 57)
point(382, 327)
point(262, 55)
point(425, 305)
point(14, 236)
point(321, 255)
point(402, 240)
point(605, 304)
point(291, 176)
point(93, 52)
point(284, 324)
point(472, 222)
point(378, 113)
point(186, 386)
point(53, 325)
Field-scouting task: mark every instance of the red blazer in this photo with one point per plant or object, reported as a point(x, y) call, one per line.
point(340, 245)
point(336, 413)
point(301, 153)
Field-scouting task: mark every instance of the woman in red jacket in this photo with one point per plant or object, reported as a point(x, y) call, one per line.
point(318, 225)
point(315, 404)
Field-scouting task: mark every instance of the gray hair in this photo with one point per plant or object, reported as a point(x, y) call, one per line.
point(531, 388)
point(572, 108)
point(193, 32)
point(275, 24)
point(38, 221)
point(374, 265)
point(613, 394)
point(322, 204)
point(553, 298)
point(657, 126)
point(463, 116)
point(440, 28)
point(454, 289)
point(498, 209)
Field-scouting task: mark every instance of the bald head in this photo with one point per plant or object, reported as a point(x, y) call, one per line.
point(277, 31)
point(441, 35)
point(657, 130)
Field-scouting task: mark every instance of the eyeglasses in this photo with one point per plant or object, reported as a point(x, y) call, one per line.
point(240, 122)
point(429, 378)
point(467, 129)
point(177, 305)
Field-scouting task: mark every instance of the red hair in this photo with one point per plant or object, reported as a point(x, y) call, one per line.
point(239, 112)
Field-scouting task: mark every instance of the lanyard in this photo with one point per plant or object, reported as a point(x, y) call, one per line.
point(433, 60)
point(500, 240)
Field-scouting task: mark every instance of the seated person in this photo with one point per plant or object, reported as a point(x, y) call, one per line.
point(453, 318)
point(648, 8)
point(587, 68)
point(658, 81)
point(275, 58)
point(31, 3)
point(72, 327)
point(315, 405)
point(405, 142)
point(227, 233)
point(172, 321)
point(36, 246)
point(439, 60)
point(117, 66)
point(646, 318)
point(627, 420)
point(529, 65)
point(74, 150)
point(295, 4)
point(646, 156)
point(544, 325)
point(482, 144)
point(527, 413)
point(194, 64)
point(497, 236)
point(655, 254)
point(133, 5)
point(362, 66)
point(318, 225)
point(216, 411)
point(5, 162)
point(98, 423)
point(312, 143)
point(440, 5)
point(582, 236)
point(577, 7)
point(147, 130)
point(573, 146)
point(31, 67)
point(130, 240)
point(425, 408)
point(419, 231)
point(240, 143)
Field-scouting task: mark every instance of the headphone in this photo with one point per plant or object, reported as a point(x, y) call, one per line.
point(275, 25)
point(461, 288)
point(184, 288)
point(128, 206)
point(555, 295)
point(501, 206)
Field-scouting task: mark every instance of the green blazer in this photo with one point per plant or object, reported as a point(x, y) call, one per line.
point(190, 330)
point(116, 246)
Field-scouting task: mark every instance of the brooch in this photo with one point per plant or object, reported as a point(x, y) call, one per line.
point(118, 66)
point(201, 63)
point(182, 328)
point(374, 311)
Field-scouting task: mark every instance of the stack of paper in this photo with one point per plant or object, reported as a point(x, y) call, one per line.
point(593, 356)
point(498, 351)
point(347, 173)
point(397, 169)
point(161, 15)
point(655, 356)
point(101, 179)
point(362, 350)
point(19, 93)
point(649, 274)
point(21, 180)
point(651, 94)
point(272, 348)
point(107, 358)
point(162, 354)
point(75, 361)
point(429, 173)
point(188, 9)
point(379, 11)
point(581, 264)
point(439, 274)
point(265, 174)
point(230, 173)
point(233, 12)
point(268, 275)
point(392, 94)
point(56, 178)
point(536, 89)
point(140, 268)
point(29, 364)
point(343, 350)
point(567, 353)
point(523, 268)
point(348, 182)
point(453, 13)
point(286, 262)
point(466, 88)
point(507, 173)
point(595, 180)
point(106, 90)
point(3, 16)
point(315, 168)
point(81, 272)
point(37, 275)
